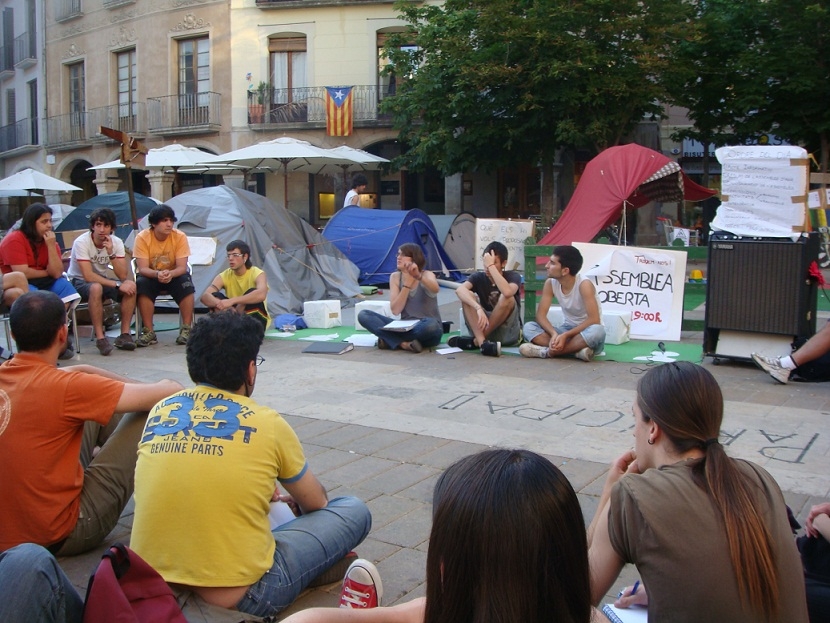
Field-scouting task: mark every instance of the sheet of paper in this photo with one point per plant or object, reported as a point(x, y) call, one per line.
point(400, 325)
point(328, 337)
point(448, 350)
point(365, 340)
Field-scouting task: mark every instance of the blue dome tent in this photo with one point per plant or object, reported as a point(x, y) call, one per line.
point(118, 202)
point(370, 239)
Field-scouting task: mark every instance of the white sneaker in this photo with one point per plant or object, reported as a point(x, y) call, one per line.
point(586, 354)
point(773, 367)
point(362, 587)
point(529, 349)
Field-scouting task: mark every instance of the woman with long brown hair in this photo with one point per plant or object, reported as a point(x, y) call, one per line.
point(708, 534)
point(507, 546)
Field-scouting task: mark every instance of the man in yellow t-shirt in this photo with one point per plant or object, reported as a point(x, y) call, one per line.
point(245, 286)
point(161, 255)
point(208, 464)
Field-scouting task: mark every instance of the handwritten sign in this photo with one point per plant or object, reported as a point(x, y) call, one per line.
point(763, 190)
point(645, 282)
point(511, 234)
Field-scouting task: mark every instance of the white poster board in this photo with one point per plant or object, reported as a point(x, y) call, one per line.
point(649, 283)
point(763, 190)
point(202, 250)
point(511, 234)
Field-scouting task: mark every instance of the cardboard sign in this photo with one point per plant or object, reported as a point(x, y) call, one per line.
point(646, 282)
point(511, 234)
point(763, 190)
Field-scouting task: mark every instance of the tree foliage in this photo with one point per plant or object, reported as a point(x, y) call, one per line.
point(791, 87)
point(494, 83)
point(707, 76)
point(753, 67)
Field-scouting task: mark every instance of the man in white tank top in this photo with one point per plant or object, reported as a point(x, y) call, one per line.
point(581, 333)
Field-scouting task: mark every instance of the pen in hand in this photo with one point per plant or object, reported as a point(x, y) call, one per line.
point(633, 590)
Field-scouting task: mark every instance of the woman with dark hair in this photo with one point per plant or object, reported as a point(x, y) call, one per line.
point(34, 251)
point(507, 545)
point(708, 534)
point(413, 293)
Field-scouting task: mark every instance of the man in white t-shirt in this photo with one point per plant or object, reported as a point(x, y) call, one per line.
point(93, 253)
point(582, 333)
point(359, 183)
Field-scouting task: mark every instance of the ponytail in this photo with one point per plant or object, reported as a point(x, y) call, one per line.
point(749, 539)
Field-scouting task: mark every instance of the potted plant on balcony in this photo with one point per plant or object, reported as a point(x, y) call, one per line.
point(256, 107)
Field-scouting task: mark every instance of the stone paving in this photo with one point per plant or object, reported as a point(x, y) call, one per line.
point(383, 425)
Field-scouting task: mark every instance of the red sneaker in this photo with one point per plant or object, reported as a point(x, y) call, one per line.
point(362, 587)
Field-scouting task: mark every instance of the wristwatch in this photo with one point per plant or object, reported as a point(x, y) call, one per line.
point(117, 283)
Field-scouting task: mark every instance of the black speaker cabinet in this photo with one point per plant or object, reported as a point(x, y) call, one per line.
point(759, 286)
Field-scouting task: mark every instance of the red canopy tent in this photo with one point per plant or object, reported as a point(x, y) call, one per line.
point(627, 176)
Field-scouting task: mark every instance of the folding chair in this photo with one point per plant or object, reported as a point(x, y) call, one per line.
point(80, 306)
point(4, 318)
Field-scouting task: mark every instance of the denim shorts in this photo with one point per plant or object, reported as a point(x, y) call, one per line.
point(593, 335)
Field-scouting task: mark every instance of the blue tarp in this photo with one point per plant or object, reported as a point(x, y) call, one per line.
point(118, 202)
point(370, 239)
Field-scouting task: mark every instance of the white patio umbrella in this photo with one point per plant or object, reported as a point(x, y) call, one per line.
point(175, 157)
point(290, 155)
point(29, 179)
point(361, 161)
point(112, 164)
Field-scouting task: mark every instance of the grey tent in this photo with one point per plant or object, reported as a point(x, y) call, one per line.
point(300, 264)
point(460, 242)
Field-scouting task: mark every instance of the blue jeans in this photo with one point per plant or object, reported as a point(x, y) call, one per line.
point(34, 589)
point(428, 331)
point(306, 547)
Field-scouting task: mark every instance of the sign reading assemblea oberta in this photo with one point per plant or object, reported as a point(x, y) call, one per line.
point(646, 282)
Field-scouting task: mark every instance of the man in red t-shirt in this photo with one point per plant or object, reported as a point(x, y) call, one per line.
point(54, 493)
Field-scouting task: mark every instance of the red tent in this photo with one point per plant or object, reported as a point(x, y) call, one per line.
point(629, 175)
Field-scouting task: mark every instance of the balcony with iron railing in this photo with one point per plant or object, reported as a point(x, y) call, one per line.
point(307, 105)
point(25, 50)
point(81, 128)
point(66, 9)
point(6, 60)
point(191, 113)
point(18, 136)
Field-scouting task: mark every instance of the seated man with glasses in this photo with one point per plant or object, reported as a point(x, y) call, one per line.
point(245, 286)
point(208, 464)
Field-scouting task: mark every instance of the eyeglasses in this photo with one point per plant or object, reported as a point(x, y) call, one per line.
point(259, 361)
point(230, 255)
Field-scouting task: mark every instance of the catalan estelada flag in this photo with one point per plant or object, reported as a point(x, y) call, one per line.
point(339, 113)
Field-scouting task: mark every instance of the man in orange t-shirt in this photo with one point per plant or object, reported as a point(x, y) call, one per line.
point(161, 254)
point(54, 493)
